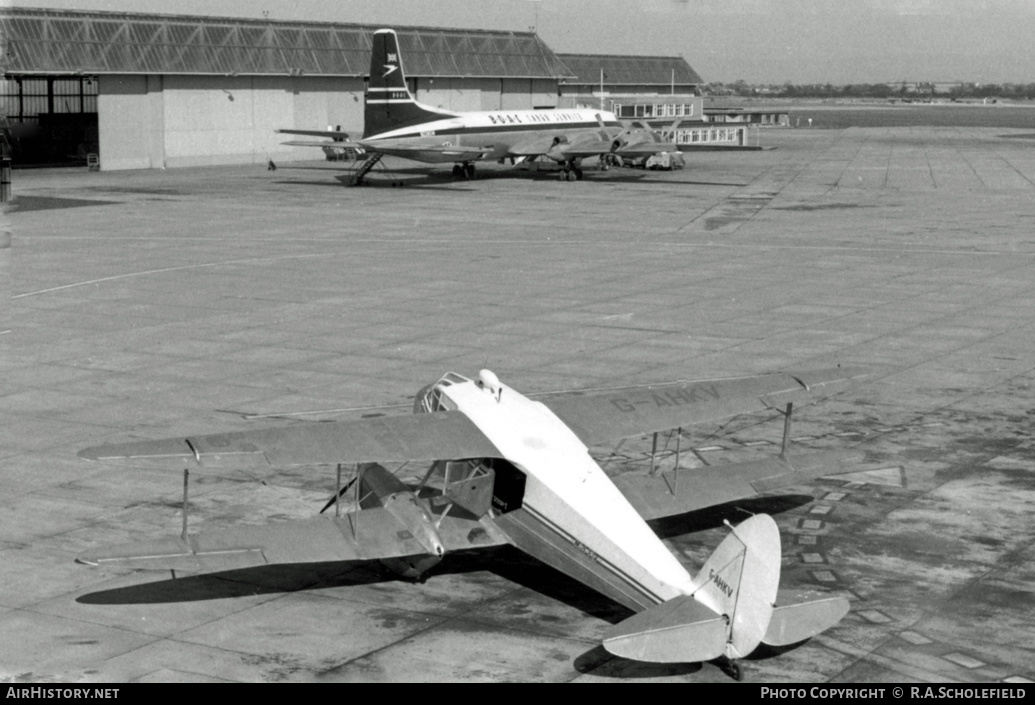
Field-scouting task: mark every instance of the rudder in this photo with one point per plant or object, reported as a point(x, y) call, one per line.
point(740, 580)
point(727, 612)
point(389, 104)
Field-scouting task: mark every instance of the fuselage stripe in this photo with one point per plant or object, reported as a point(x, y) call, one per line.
point(493, 129)
point(628, 579)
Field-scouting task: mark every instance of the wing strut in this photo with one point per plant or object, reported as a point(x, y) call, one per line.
point(675, 473)
point(186, 475)
point(337, 493)
point(786, 430)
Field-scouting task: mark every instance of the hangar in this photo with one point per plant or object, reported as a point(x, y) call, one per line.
point(154, 91)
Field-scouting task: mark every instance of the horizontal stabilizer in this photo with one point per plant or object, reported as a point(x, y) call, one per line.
point(323, 143)
point(681, 630)
point(331, 134)
point(793, 623)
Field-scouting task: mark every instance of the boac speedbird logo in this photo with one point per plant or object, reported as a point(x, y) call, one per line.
point(391, 69)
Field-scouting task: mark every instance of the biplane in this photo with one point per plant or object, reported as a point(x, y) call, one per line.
point(505, 468)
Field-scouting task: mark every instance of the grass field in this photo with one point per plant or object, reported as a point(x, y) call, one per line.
point(913, 115)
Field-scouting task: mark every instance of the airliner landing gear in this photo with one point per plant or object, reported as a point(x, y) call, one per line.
point(463, 171)
point(571, 172)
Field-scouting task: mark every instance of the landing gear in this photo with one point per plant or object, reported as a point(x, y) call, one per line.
point(731, 668)
point(463, 171)
point(571, 172)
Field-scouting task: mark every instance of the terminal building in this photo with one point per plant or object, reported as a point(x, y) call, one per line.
point(134, 91)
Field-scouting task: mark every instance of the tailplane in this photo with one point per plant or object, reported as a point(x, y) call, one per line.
point(730, 608)
point(389, 103)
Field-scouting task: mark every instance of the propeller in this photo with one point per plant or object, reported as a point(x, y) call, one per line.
point(334, 498)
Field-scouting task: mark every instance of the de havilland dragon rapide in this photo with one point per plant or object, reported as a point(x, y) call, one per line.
point(503, 468)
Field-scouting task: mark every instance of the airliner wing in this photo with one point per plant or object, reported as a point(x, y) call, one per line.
point(432, 153)
point(607, 416)
point(556, 147)
point(646, 149)
point(585, 148)
point(428, 150)
point(533, 148)
point(442, 435)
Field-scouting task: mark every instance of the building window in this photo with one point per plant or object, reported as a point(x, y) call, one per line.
point(24, 99)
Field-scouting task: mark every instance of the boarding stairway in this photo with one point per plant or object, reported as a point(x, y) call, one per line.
point(369, 163)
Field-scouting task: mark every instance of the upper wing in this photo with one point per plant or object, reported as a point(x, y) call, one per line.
point(605, 416)
point(417, 437)
point(366, 535)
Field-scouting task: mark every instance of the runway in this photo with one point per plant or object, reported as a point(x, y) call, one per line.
point(150, 304)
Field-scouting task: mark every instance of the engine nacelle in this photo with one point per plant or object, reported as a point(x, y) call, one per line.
point(411, 567)
point(380, 488)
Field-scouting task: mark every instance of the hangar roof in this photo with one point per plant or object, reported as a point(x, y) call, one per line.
point(38, 41)
point(630, 70)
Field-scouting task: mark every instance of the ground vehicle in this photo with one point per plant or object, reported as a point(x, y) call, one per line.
point(665, 160)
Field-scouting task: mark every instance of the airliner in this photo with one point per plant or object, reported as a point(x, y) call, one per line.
point(395, 123)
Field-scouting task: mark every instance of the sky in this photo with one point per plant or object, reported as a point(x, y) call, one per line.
point(758, 41)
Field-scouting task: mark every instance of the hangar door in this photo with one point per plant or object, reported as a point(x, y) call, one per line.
point(50, 120)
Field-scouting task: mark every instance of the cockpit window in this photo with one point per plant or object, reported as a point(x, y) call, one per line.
point(435, 400)
point(452, 378)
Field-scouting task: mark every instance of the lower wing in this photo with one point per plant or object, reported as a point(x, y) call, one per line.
point(665, 494)
point(369, 534)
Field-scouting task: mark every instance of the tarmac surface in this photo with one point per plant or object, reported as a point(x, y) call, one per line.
point(152, 304)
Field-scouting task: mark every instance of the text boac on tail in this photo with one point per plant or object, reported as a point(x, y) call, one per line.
point(398, 125)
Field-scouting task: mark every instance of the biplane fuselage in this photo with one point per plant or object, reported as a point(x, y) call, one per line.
point(570, 508)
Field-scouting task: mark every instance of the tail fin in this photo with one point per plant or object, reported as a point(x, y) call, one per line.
point(389, 103)
point(726, 614)
point(730, 609)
